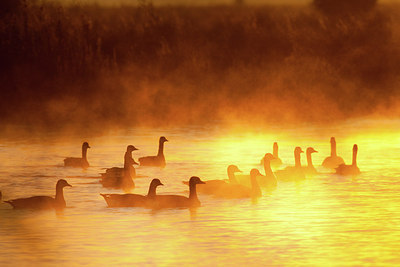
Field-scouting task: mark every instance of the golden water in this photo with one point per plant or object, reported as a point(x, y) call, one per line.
point(325, 220)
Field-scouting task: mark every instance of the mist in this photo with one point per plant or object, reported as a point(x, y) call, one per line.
point(89, 66)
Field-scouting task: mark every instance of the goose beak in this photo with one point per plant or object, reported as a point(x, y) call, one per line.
point(68, 185)
point(135, 148)
point(166, 140)
point(201, 182)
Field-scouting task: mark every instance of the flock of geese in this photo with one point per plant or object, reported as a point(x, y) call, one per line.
point(236, 186)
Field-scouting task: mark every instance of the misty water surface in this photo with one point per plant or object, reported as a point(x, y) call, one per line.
point(324, 220)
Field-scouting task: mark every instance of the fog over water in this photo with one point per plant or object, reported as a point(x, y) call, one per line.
point(100, 67)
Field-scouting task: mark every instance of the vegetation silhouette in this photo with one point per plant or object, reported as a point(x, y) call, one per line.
point(92, 67)
point(341, 7)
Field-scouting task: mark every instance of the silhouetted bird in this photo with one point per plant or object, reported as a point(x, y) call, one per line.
point(292, 173)
point(158, 160)
point(133, 200)
point(333, 161)
point(212, 186)
point(310, 169)
point(267, 181)
point(117, 177)
point(352, 169)
point(79, 162)
point(276, 161)
point(176, 201)
point(42, 202)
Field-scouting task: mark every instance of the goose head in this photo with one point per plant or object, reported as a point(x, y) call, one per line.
point(155, 182)
point(195, 180)
point(275, 147)
point(163, 139)
point(62, 183)
point(298, 150)
point(131, 148)
point(333, 141)
point(85, 145)
point(355, 148)
point(233, 169)
point(254, 173)
point(311, 150)
point(268, 157)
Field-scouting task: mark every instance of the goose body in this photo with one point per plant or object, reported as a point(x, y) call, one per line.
point(333, 161)
point(352, 169)
point(159, 160)
point(242, 191)
point(133, 200)
point(267, 181)
point(42, 202)
point(310, 169)
point(276, 162)
point(177, 201)
point(79, 162)
point(121, 177)
point(292, 173)
point(213, 186)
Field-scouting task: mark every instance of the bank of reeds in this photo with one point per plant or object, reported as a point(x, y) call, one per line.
point(90, 63)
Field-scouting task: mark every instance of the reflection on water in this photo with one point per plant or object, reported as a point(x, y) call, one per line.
point(325, 220)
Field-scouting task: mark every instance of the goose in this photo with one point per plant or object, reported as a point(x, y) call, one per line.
point(292, 173)
point(276, 161)
point(241, 191)
point(333, 161)
point(310, 169)
point(79, 162)
point(158, 160)
point(211, 186)
point(352, 169)
point(176, 201)
point(121, 177)
point(267, 181)
point(42, 202)
point(133, 200)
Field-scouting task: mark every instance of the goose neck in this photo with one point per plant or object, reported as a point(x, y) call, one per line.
point(84, 153)
point(354, 162)
point(160, 148)
point(275, 150)
point(232, 178)
point(128, 160)
point(255, 187)
point(193, 192)
point(297, 162)
point(267, 167)
point(60, 194)
point(309, 160)
point(152, 191)
point(333, 148)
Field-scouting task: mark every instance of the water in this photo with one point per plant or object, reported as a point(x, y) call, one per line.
point(325, 220)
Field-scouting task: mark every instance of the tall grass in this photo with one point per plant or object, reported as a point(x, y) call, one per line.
point(79, 64)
